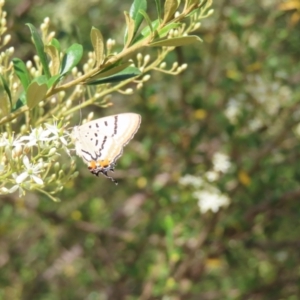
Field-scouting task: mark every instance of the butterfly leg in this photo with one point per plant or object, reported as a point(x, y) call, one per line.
point(111, 178)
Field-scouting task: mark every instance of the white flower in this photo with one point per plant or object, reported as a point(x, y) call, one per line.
point(232, 110)
point(212, 176)
point(31, 170)
point(210, 200)
point(221, 162)
point(37, 135)
point(3, 141)
point(255, 124)
point(11, 142)
point(191, 180)
point(56, 133)
point(14, 188)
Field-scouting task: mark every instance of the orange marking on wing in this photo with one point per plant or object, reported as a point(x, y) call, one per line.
point(92, 165)
point(104, 163)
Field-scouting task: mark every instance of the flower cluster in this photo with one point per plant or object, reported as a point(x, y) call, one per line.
point(29, 162)
point(268, 97)
point(208, 195)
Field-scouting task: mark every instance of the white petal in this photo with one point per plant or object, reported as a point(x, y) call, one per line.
point(13, 189)
point(21, 192)
point(3, 142)
point(25, 138)
point(4, 190)
point(32, 143)
point(26, 162)
point(37, 179)
point(21, 177)
point(53, 129)
point(63, 141)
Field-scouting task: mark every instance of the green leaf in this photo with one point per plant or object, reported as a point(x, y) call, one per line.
point(112, 70)
point(55, 43)
point(71, 58)
point(20, 102)
point(55, 59)
point(39, 46)
point(129, 29)
point(5, 103)
point(169, 9)
point(6, 88)
point(147, 30)
point(158, 9)
point(134, 19)
point(165, 30)
point(135, 14)
point(123, 75)
point(22, 72)
point(40, 79)
point(98, 44)
point(35, 93)
point(147, 19)
point(53, 80)
point(176, 42)
point(161, 33)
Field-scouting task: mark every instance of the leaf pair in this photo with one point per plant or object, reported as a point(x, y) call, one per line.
point(35, 89)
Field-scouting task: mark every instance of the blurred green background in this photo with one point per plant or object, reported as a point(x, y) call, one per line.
point(148, 238)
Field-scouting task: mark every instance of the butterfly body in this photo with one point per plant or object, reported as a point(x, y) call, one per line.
point(100, 142)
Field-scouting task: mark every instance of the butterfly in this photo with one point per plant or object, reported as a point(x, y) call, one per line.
point(100, 142)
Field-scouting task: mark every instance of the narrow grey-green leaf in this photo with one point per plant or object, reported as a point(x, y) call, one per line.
point(170, 9)
point(135, 14)
point(53, 80)
point(5, 103)
point(147, 19)
point(147, 31)
point(129, 29)
point(40, 79)
point(176, 42)
point(98, 44)
point(55, 59)
point(54, 42)
point(123, 75)
point(6, 88)
point(39, 46)
point(20, 102)
point(112, 71)
point(5, 107)
point(158, 9)
point(165, 30)
point(71, 58)
point(22, 72)
point(35, 93)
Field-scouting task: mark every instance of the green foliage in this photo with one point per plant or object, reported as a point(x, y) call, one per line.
point(39, 46)
point(42, 99)
point(71, 58)
point(126, 73)
point(21, 72)
point(207, 201)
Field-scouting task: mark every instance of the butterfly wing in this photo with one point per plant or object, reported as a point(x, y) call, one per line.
point(121, 127)
point(95, 148)
point(104, 138)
